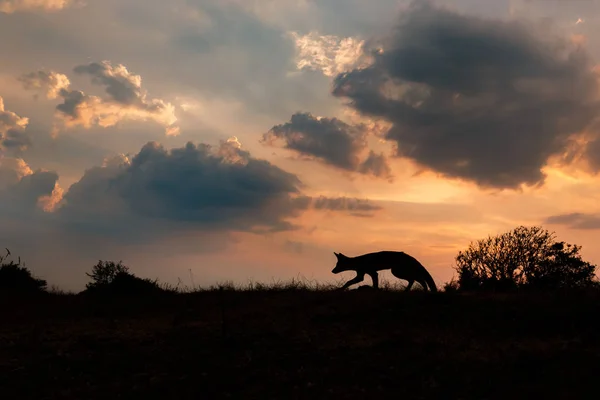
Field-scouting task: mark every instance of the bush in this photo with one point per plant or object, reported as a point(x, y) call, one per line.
point(104, 273)
point(526, 257)
point(452, 286)
point(113, 278)
point(15, 278)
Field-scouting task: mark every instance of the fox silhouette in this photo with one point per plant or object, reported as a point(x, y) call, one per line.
point(402, 265)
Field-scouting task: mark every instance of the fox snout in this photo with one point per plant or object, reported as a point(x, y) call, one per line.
point(336, 270)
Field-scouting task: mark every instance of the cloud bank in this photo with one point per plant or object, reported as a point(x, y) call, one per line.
point(159, 192)
point(211, 188)
point(486, 101)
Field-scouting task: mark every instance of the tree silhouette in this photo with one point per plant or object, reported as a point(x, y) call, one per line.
point(113, 278)
point(104, 273)
point(524, 257)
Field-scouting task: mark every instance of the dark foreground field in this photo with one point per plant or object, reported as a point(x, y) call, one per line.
point(301, 344)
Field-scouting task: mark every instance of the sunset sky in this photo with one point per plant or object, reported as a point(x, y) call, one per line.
point(247, 140)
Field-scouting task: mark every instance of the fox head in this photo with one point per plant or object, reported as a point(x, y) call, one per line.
point(342, 264)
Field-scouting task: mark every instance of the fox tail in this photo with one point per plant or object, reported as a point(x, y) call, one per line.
point(429, 280)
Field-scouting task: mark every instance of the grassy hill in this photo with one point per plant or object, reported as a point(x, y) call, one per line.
point(293, 344)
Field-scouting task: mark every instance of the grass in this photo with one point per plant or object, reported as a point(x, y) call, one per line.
point(301, 340)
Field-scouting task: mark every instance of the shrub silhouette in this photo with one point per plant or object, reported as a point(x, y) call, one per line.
point(526, 257)
point(104, 273)
point(15, 278)
point(113, 278)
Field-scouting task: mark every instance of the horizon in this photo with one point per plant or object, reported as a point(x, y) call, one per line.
point(250, 140)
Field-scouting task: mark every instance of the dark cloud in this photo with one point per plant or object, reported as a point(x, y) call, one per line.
point(483, 100)
point(121, 85)
point(160, 192)
point(211, 188)
point(74, 101)
point(575, 220)
point(375, 164)
point(16, 140)
point(196, 187)
point(591, 152)
point(330, 140)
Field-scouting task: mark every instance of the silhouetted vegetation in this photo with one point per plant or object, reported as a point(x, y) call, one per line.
point(16, 279)
point(113, 278)
point(526, 257)
point(104, 273)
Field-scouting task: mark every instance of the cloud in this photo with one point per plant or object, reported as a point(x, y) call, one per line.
point(23, 190)
point(220, 188)
point(12, 130)
point(327, 53)
point(330, 140)
point(81, 109)
point(195, 188)
point(126, 100)
point(9, 120)
point(121, 85)
point(376, 165)
point(49, 81)
point(582, 221)
point(12, 6)
point(12, 170)
point(486, 101)
point(357, 207)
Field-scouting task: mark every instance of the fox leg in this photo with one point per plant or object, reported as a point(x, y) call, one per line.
point(375, 276)
point(410, 284)
point(359, 278)
point(424, 284)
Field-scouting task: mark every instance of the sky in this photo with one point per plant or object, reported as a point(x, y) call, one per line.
point(203, 141)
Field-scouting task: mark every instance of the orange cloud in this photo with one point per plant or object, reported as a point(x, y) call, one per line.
point(125, 100)
point(22, 186)
point(49, 81)
point(12, 130)
point(12, 6)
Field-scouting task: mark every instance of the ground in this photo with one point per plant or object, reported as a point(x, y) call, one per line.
point(296, 344)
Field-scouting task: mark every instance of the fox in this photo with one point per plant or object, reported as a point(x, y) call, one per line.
point(402, 265)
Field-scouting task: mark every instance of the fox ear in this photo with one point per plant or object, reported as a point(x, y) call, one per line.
point(336, 254)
